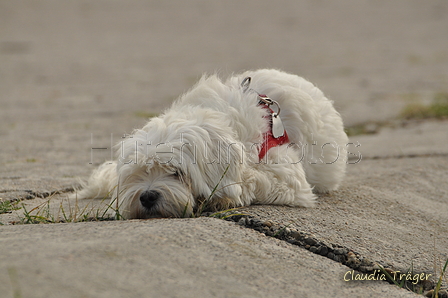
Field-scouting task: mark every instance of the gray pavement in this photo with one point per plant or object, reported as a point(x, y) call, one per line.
point(201, 257)
point(81, 74)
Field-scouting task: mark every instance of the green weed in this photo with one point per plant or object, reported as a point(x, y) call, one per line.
point(403, 282)
point(438, 108)
point(43, 213)
point(8, 206)
point(364, 128)
point(205, 203)
point(439, 282)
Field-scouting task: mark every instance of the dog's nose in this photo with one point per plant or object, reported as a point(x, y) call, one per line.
point(149, 198)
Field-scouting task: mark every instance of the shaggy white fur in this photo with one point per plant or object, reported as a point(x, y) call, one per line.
point(204, 150)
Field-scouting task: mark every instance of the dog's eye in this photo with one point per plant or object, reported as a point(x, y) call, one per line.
point(178, 173)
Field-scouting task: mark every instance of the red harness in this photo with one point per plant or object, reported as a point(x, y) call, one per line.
point(269, 141)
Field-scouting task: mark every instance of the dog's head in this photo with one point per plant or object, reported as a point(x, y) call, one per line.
point(153, 190)
point(172, 167)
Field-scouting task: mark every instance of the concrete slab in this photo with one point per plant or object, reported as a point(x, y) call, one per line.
point(167, 258)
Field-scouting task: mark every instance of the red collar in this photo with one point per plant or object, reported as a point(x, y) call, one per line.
point(269, 141)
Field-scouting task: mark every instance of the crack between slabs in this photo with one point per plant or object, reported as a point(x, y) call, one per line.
point(338, 253)
point(400, 156)
point(34, 194)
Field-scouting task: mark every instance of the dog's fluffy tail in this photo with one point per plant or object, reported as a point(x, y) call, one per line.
point(100, 184)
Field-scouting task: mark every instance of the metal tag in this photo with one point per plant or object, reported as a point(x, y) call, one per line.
point(277, 126)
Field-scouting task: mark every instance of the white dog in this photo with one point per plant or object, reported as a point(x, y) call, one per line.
point(262, 137)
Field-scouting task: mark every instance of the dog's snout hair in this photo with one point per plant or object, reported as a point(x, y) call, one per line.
point(149, 198)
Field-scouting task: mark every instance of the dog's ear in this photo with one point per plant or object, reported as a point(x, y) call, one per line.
point(222, 172)
point(245, 84)
point(212, 163)
point(219, 193)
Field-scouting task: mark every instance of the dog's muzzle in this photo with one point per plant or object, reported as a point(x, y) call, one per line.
point(149, 198)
